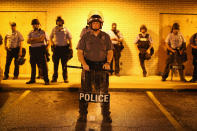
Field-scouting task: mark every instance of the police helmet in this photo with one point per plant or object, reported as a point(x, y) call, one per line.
point(59, 18)
point(95, 16)
point(12, 24)
point(176, 26)
point(148, 56)
point(143, 27)
point(21, 60)
point(114, 24)
point(35, 22)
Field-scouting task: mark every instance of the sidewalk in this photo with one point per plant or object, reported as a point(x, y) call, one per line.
point(122, 83)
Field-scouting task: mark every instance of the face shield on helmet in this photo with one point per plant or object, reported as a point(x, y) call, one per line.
point(95, 16)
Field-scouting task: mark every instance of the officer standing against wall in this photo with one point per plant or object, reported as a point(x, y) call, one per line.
point(176, 49)
point(85, 30)
point(13, 46)
point(145, 46)
point(117, 41)
point(46, 43)
point(37, 51)
point(61, 45)
point(193, 43)
point(1, 39)
point(95, 52)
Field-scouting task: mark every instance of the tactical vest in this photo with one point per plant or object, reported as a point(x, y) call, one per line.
point(143, 42)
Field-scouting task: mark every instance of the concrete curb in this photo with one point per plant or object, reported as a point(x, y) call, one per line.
point(76, 89)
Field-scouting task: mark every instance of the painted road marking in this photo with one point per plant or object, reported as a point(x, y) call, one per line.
point(176, 125)
point(22, 96)
point(6, 110)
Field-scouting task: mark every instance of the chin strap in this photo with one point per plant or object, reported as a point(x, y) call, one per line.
point(95, 29)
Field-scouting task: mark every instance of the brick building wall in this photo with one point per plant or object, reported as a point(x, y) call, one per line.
point(128, 14)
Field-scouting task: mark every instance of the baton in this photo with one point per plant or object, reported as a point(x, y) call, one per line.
point(80, 67)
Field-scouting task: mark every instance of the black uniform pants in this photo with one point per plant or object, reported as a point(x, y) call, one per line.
point(116, 58)
point(142, 57)
point(12, 53)
point(170, 59)
point(40, 73)
point(97, 79)
point(38, 57)
point(60, 53)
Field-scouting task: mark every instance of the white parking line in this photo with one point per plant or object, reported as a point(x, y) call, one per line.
point(9, 107)
point(172, 120)
point(22, 96)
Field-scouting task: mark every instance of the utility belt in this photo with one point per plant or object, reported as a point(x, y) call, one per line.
point(177, 51)
point(60, 49)
point(182, 56)
point(63, 50)
point(96, 66)
point(11, 49)
point(143, 46)
point(37, 49)
point(143, 51)
point(177, 67)
point(14, 48)
point(57, 47)
point(119, 46)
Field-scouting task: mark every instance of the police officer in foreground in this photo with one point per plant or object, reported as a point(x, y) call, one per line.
point(117, 41)
point(95, 52)
point(13, 46)
point(176, 49)
point(145, 46)
point(37, 51)
point(61, 44)
point(193, 43)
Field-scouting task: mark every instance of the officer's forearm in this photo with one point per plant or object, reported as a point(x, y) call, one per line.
point(81, 57)
point(151, 45)
point(51, 42)
point(114, 39)
point(5, 41)
point(109, 56)
point(70, 43)
point(193, 46)
point(36, 40)
point(120, 40)
point(168, 47)
point(21, 46)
